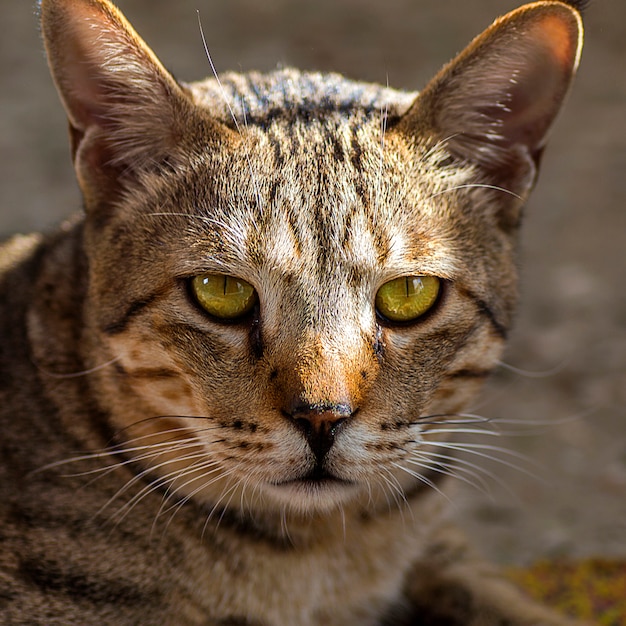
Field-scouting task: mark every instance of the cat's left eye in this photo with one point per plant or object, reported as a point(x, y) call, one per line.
point(224, 297)
point(407, 298)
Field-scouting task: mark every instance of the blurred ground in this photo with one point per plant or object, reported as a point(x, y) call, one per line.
point(572, 325)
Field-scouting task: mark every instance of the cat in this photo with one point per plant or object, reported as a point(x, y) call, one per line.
point(226, 390)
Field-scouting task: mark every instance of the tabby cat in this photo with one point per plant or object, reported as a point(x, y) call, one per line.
point(225, 391)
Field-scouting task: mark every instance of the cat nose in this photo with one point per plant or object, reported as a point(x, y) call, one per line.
point(320, 424)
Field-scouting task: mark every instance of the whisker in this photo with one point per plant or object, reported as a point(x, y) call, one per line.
point(217, 78)
point(118, 434)
point(284, 527)
point(468, 431)
point(213, 467)
point(422, 479)
point(381, 486)
point(243, 110)
point(216, 506)
point(485, 446)
point(242, 498)
point(396, 491)
point(495, 422)
point(158, 484)
point(475, 449)
point(116, 449)
point(474, 185)
point(152, 485)
point(538, 427)
point(101, 472)
point(370, 494)
point(458, 460)
point(384, 114)
point(538, 374)
point(491, 425)
point(454, 463)
point(452, 471)
point(548, 422)
point(230, 110)
point(193, 469)
point(86, 372)
point(466, 418)
point(469, 466)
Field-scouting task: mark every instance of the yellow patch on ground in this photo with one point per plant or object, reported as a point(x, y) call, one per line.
point(592, 589)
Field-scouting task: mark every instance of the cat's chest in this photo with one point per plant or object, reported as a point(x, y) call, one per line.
point(349, 575)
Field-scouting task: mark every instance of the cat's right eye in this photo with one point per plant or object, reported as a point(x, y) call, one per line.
point(224, 297)
point(407, 298)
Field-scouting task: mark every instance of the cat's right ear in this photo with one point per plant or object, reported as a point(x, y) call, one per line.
point(494, 104)
point(126, 112)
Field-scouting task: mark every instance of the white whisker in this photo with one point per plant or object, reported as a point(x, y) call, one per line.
point(213, 467)
point(227, 490)
point(472, 186)
point(86, 372)
point(217, 78)
point(468, 431)
point(452, 471)
point(476, 449)
point(422, 479)
point(469, 467)
point(111, 451)
point(453, 418)
point(152, 485)
point(231, 111)
point(538, 374)
point(396, 491)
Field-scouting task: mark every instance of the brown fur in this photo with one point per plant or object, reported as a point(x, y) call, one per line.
point(160, 466)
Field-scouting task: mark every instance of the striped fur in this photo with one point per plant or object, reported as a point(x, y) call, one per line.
point(158, 465)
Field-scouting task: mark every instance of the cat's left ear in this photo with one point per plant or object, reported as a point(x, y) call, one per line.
point(494, 104)
point(126, 111)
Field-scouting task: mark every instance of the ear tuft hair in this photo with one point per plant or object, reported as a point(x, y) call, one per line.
point(126, 111)
point(493, 105)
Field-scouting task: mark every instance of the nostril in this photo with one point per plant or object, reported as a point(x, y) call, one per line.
point(304, 425)
point(335, 427)
point(320, 424)
point(316, 421)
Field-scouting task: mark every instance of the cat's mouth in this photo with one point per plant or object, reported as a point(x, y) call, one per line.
point(318, 490)
point(320, 477)
point(316, 480)
point(315, 491)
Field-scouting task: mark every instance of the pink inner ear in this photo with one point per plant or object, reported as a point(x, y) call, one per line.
point(559, 38)
point(100, 64)
point(495, 102)
point(78, 53)
point(541, 82)
point(83, 95)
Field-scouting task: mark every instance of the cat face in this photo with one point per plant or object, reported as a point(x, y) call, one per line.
point(317, 200)
point(316, 245)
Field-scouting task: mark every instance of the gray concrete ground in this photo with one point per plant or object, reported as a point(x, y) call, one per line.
point(571, 332)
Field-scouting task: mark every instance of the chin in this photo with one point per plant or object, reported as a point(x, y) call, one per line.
point(306, 496)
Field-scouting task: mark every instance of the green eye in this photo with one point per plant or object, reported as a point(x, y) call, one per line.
point(407, 298)
point(225, 297)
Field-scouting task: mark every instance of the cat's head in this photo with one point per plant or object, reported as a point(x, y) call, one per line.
point(299, 280)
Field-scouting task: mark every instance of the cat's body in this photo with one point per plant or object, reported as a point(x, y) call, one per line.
point(163, 463)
